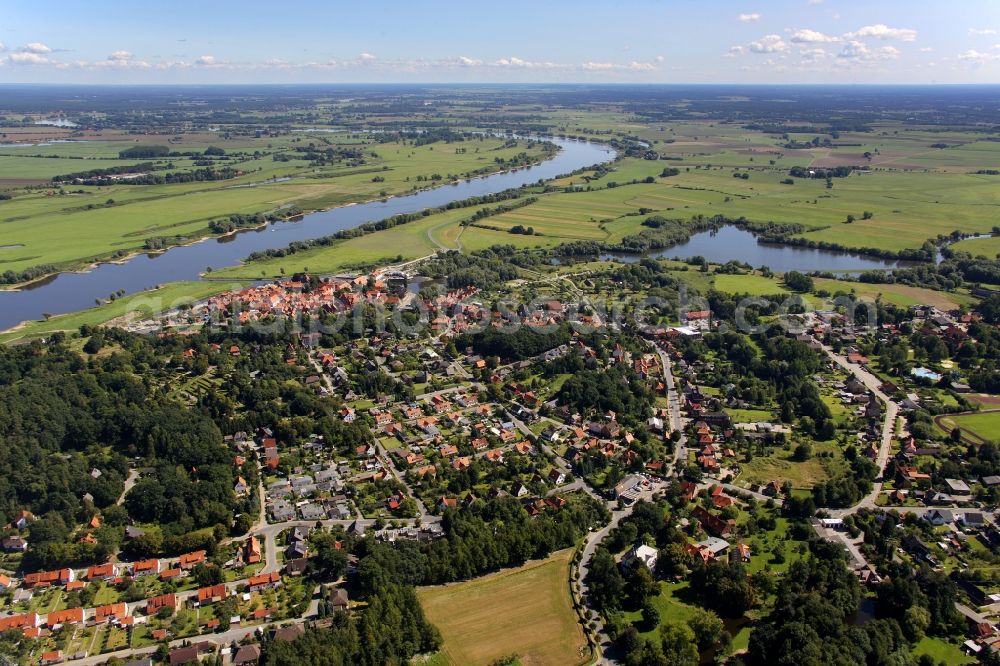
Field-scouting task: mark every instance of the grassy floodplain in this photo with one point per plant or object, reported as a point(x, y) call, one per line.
point(981, 247)
point(915, 192)
point(89, 223)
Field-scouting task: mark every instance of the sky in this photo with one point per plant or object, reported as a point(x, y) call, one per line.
point(445, 41)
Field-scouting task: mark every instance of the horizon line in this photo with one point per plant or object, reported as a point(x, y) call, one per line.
point(617, 84)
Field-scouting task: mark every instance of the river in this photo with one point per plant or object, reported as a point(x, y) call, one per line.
point(69, 292)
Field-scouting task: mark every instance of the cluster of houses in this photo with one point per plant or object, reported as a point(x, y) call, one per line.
point(291, 298)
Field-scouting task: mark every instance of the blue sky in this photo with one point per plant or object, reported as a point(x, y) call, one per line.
point(645, 41)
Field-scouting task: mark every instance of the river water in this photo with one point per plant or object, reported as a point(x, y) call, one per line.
point(69, 292)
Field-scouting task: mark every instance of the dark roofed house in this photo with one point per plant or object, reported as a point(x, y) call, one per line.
point(296, 567)
point(247, 654)
point(339, 599)
point(289, 633)
point(191, 653)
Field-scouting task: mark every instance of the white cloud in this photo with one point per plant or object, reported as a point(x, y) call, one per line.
point(976, 57)
point(517, 63)
point(860, 52)
point(807, 36)
point(633, 66)
point(882, 31)
point(659, 58)
point(749, 18)
point(815, 2)
point(810, 56)
point(2, 47)
point(36, 47)
point(118, 59)
point(982, 31)
point(365, 57)
point(465, 61)
point(207, 61)
point(29, 59)
point(768, 44)
point(926, 49)
point(854, 50)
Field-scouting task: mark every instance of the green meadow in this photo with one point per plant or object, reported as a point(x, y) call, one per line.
point(981, 247)
point(90, 223)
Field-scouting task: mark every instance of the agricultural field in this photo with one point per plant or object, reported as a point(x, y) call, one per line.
point(525, 612)
point(897, 294)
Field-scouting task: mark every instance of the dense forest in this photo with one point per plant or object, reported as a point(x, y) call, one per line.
point(67, 428)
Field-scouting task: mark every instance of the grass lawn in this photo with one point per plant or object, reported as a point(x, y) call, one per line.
point(525, 611)
point(750, 415)
point(105, 595)
point(780, 466)
point(755, 285)
point(941, 651)
point(985, 425)
point(670, 605)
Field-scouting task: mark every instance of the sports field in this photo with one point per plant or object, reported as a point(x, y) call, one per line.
point(525, 612)
point(984, 426)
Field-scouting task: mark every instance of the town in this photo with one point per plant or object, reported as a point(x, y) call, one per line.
point(452, 413)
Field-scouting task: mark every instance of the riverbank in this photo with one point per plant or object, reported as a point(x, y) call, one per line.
point(149, 303)
point(121, 257)
point(69, 292)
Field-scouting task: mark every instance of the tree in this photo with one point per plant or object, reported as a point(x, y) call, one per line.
point(207, 575)
point(679, 646)
point(605, 581)
point(672, 561)
point(641, 585)
point(797, 281)
point(707, 628)
point(650, 615)
point(94, 344)
point(916, 620)
point(724, 587)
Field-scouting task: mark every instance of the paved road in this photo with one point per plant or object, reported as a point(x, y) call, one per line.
point(891, 409)
point(590, 544)
point(673, 406)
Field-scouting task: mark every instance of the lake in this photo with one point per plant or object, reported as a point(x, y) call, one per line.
point(732, 243)
point(69, 292)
